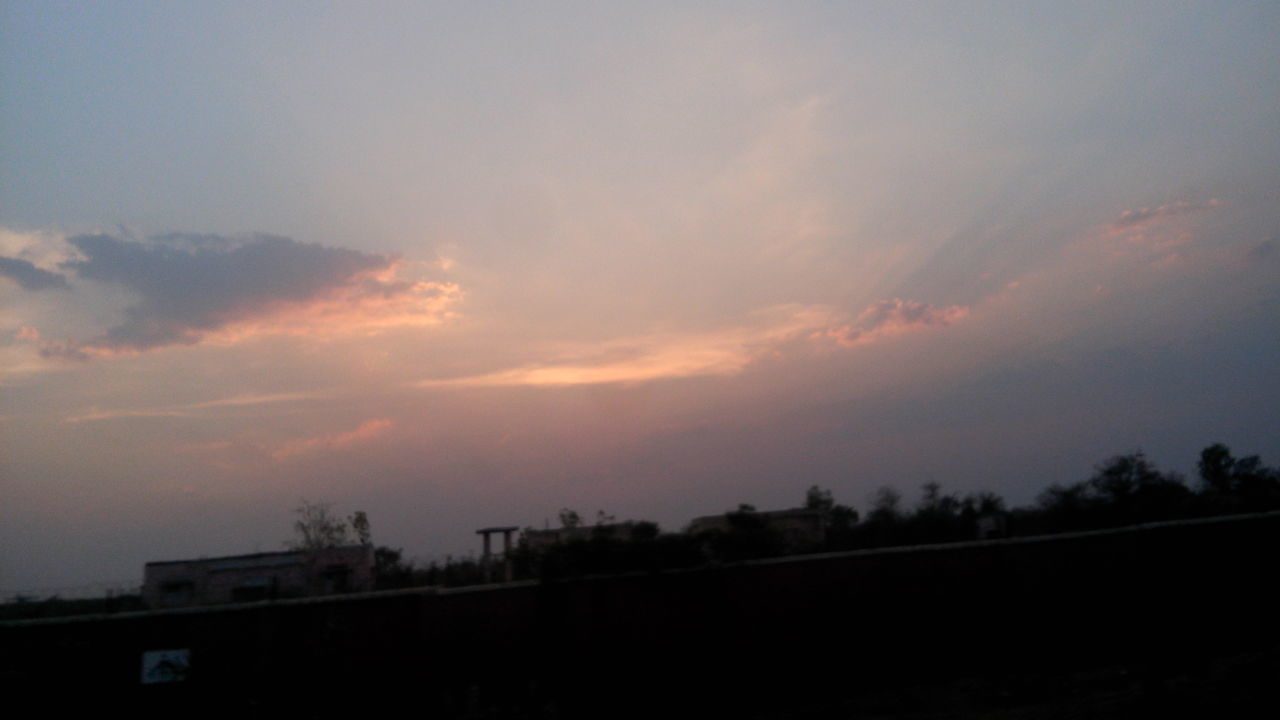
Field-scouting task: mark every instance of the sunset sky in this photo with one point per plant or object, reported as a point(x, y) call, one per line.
point(464, 264)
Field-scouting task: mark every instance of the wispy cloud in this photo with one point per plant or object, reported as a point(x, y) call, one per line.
point(267, 399)
point(332, 441)
point(198, 288)
point(647, 359)
point(719, 353)
point(96, 413)
point(1155, 236)
point(1146, 215)
point(888, 318)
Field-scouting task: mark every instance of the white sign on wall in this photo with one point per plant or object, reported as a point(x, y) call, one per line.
point(165, 666)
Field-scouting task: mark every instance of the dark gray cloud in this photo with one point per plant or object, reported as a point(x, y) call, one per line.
point(1263, 250)
point(29, 276)
point(190, 285)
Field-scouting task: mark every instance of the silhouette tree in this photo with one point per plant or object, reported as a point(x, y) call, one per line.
point(884, 507)
point(644, 530)
point(1064, 507)
point(815, 498)
point(390, 570)
point(569, 518)
point(317, 527)
point(984, 503)
point(1129, 488)
point(838, 520)
point(1216, 469)
point(1120, 477)
point(934, 503)
point(749, 536)
point(1232, 485)
point(1257, 485)
point(938, 517)
point(359, 523)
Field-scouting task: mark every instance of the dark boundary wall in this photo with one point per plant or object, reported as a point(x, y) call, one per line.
point(731, 639)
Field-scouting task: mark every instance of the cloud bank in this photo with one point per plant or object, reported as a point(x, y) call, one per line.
point(193, 288)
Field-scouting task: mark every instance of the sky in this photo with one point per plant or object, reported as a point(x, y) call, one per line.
point(460, 265)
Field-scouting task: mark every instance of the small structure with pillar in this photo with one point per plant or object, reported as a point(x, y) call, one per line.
point(486, 560)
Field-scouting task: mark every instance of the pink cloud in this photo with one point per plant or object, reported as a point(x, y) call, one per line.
point(1151, 236)
point(892, 317)
point(334, 441)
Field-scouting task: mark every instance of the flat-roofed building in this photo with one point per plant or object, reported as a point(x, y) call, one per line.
point(260, 576)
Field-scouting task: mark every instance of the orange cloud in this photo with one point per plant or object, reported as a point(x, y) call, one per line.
point(657, 356)
point(367, 430)
point(95, 413)
point(350, 311)
point(718, 353)
point(690, 358)
point(191, 409)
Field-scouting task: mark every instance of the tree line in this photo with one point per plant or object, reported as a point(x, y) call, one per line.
point(1123, 490)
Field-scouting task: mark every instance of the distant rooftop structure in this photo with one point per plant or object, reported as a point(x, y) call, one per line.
point(540, 539)
point(260, 576)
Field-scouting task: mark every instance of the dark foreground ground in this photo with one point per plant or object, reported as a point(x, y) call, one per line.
point(1244, 685)
point(1169, 620)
